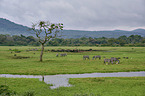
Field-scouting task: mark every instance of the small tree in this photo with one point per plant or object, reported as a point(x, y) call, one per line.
point(45, 31)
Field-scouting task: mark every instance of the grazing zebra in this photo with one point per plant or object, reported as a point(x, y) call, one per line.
point(107, 60)
point(57, 55)
point(112, 60)
point(64, 54)
point(86, 57)
point(97, 56)
point(115, 60)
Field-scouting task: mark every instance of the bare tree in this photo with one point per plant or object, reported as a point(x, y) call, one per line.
point(45, 31)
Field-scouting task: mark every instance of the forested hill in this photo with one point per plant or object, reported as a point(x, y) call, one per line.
point(8, 27)
point(98, 34)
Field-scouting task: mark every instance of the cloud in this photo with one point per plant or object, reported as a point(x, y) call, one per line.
point(77, 14)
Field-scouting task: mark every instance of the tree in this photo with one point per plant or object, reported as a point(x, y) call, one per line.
point(45, 31)
point(143, 41)
point(2, 39)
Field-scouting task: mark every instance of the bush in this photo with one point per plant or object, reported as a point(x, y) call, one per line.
point(4, 91)
point(29, 93)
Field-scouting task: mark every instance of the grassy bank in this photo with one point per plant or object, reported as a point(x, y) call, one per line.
point(73, 63)
point(115, 86)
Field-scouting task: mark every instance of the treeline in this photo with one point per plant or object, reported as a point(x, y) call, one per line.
point(133, 40)
point(15, 40)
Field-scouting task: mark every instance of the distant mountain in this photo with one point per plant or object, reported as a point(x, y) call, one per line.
point(8, 27)
point(97, 34)
point(139, 30)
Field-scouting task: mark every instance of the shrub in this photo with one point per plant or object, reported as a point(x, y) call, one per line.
point(4, 91)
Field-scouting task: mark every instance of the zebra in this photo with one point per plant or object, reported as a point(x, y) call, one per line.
point(64, 54)
point(112, 60)
point(57, 55)
point(115, 60)
point(107, 60)
point(97, 56)
point(86, 57)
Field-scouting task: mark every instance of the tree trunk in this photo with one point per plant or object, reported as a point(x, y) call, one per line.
point(41, 52)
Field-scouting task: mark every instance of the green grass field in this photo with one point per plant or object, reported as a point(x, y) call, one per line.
point(73, 63)
point(107, 86)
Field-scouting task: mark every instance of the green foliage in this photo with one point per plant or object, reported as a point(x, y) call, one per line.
point(29, 93)
point(45, 30)
point(4, 91)
point(133, 40)
point(15, 40)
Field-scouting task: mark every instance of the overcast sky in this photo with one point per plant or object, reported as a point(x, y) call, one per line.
point(77, 14)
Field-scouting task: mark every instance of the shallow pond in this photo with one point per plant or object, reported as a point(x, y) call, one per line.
point(62, 80)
